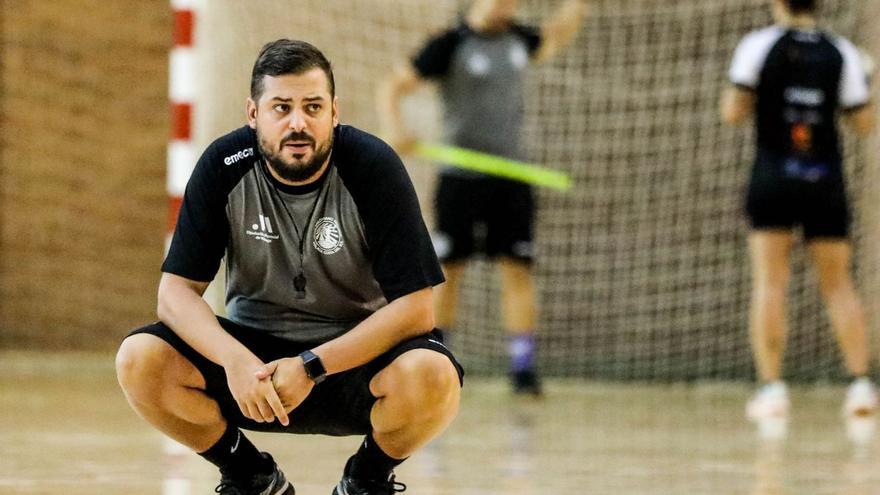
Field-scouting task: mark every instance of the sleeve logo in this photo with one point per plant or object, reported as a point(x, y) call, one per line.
point(237, 157)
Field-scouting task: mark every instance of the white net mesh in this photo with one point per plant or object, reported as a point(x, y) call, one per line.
point(642, 271)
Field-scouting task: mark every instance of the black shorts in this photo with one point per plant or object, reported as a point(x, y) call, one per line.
point(778, 201)
point(483, 215)
point(340, 405)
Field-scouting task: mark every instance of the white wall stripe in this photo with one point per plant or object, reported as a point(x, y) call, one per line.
point(181, 161)
point(181, 75)
point(185, 4)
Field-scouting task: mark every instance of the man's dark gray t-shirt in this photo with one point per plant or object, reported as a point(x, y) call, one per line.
point(365, 242)
point(481, 83)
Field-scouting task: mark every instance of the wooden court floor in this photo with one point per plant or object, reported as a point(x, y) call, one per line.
point(66, 429)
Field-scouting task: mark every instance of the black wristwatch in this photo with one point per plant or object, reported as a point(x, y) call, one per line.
point(314, 367)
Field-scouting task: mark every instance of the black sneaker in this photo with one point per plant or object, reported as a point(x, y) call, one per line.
point(352, 486)
point(274, 483)
point(526, 382)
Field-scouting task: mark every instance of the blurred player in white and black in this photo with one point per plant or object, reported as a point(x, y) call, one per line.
point(330, 272)
point(479, 65)
point(796, 79)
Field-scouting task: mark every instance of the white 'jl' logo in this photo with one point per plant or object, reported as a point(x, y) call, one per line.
point(263, 230)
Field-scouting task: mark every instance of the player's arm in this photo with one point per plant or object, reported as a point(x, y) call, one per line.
point(559, 30)
point(738, 100)
point(859, 71)
point(402, 81)
point(181, 307)
point(855, 88)
point(861, 120)
point(737, 105)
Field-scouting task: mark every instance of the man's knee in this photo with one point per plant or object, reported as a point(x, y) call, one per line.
point(143, 363)
point(423, 379)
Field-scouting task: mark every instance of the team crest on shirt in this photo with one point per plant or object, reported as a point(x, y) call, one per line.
point(328, 238)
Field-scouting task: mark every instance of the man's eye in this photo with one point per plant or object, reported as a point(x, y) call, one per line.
point(281, 107)
point(313, 107)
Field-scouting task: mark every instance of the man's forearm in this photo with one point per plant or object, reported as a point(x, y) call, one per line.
point(182, 308)
point(404, 318)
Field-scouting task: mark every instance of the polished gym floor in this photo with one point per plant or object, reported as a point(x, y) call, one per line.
point(66, 428)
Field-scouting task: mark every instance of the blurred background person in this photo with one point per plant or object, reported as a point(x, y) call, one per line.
point(479, 65)
point(795, 79)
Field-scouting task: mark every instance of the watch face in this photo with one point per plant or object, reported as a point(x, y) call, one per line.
point(313, 366)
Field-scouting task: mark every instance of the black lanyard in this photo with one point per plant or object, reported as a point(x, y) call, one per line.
point(299, 281)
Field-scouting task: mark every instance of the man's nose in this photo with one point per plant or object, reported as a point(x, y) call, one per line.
point(297, 121)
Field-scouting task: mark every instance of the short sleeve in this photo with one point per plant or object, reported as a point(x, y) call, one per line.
point(399, 244)
point(202, 230)
point(854, 89)
point(531, 35)
point(750, 56)
point(433, 60)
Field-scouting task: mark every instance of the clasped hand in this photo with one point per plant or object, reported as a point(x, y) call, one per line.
point(272, 391)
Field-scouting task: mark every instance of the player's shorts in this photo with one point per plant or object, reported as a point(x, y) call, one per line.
point(780, 199)
point(340, 405)
point(483, 215)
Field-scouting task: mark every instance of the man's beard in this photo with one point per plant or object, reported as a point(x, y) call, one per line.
point(295, 171)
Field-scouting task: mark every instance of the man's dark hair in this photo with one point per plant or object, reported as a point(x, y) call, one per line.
point(802, 6)
point(284, 56)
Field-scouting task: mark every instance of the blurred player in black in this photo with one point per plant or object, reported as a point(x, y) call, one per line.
point(794, 80)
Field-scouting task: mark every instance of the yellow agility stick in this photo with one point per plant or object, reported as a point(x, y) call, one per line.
point(494, 165)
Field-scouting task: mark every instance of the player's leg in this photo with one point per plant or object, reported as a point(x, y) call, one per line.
point(169, 391)
point(446, 294)
point(518, 295)
point(826, 228)
point(769, 251)
point(453, 239)
point(518, 311)
point(509, 239)
point(417, 397)
point(831, 257)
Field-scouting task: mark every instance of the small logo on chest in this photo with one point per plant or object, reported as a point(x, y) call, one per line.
point(328, 237)
point(263, 230)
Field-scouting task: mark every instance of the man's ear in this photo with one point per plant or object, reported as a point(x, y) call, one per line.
point(250, 109)
point(335, 111)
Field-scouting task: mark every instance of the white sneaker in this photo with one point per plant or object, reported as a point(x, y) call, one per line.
point(861, 398)
point(771, 400)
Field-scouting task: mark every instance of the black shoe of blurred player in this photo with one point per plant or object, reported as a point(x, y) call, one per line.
point(353, 486)
point(526, 382)
point(273, 483)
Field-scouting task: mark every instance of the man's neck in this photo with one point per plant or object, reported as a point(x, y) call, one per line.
point(479, 23)
point(799, 21)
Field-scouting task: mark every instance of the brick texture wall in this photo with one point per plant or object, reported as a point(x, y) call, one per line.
point(83, 129)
